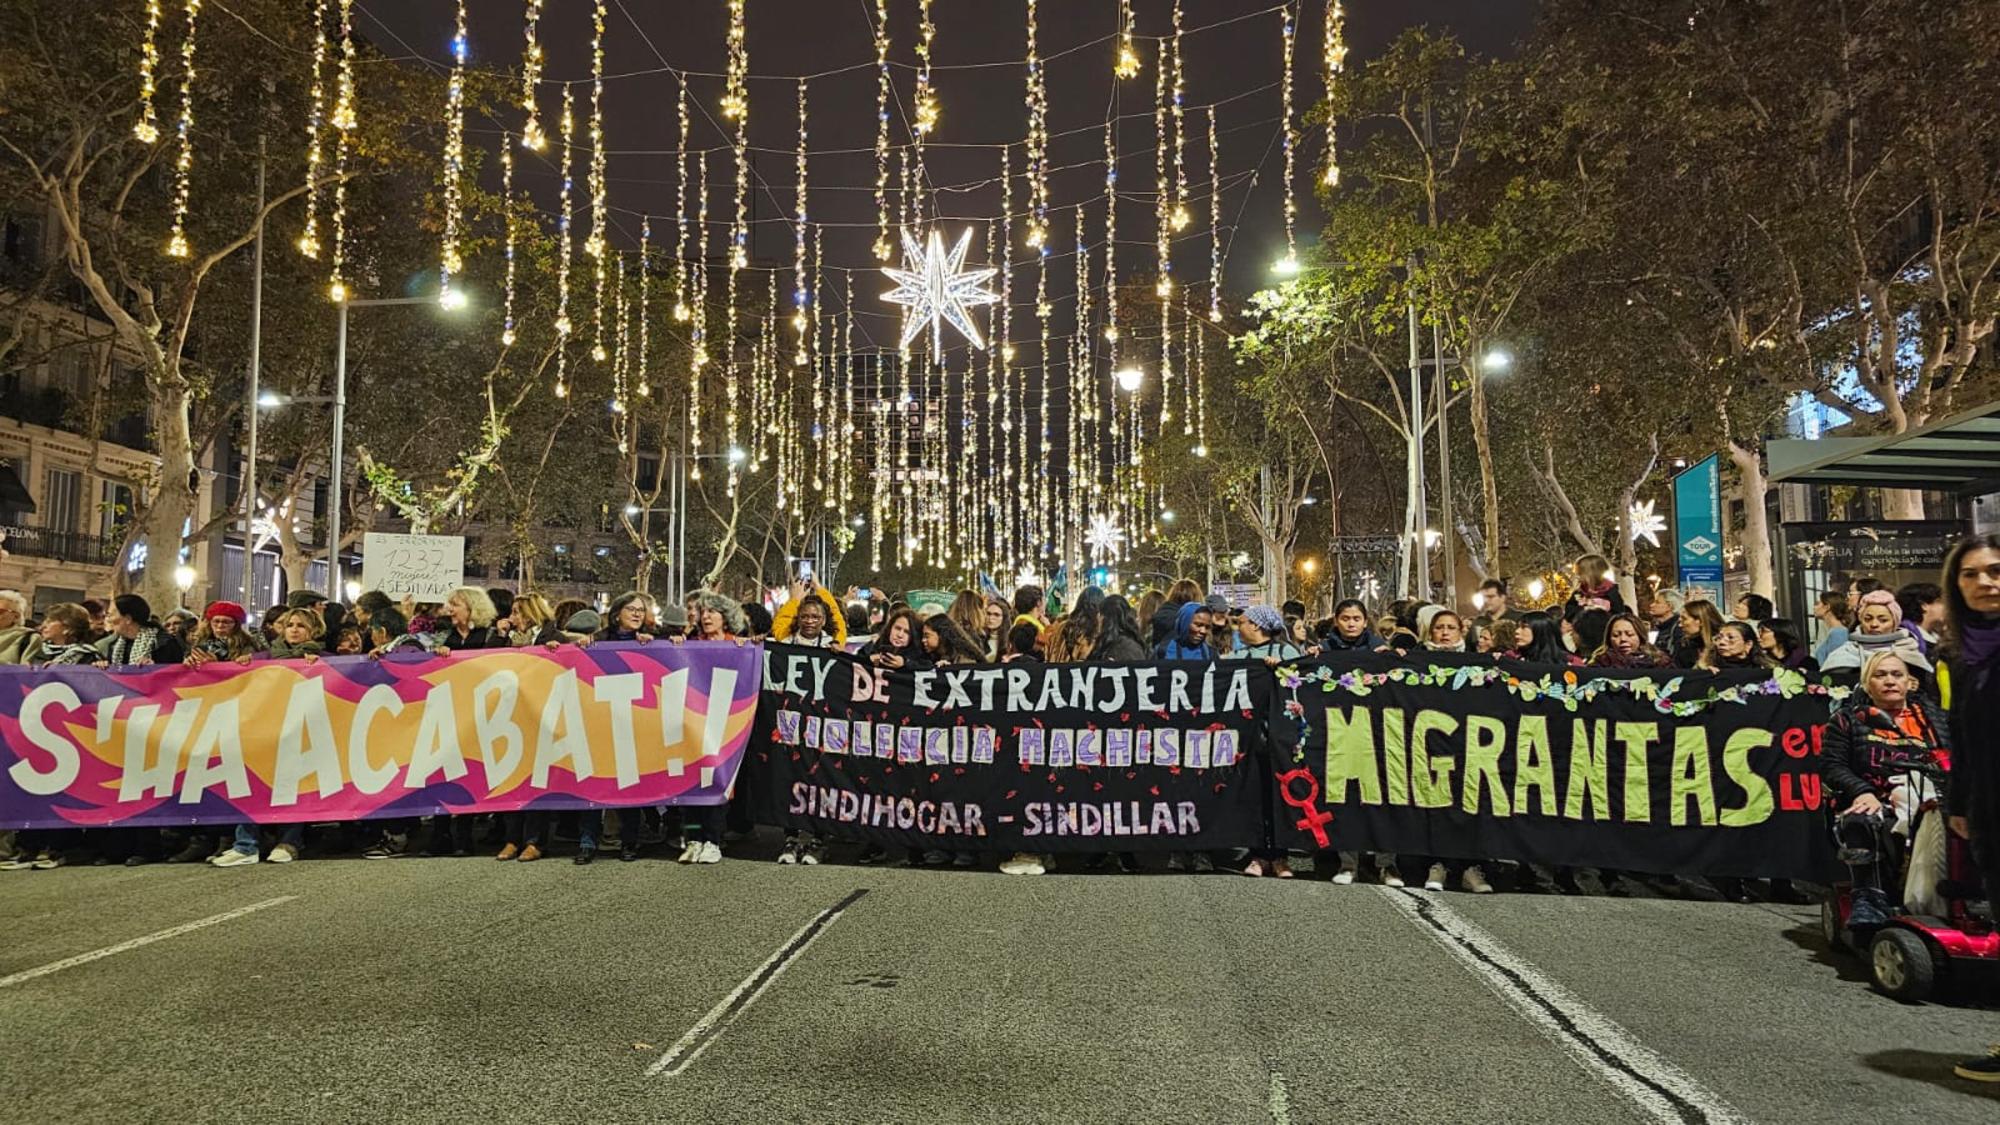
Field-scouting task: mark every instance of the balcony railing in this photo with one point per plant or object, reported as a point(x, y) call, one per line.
point(63, 546)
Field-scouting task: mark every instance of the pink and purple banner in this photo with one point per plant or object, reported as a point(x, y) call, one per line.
point(347, 738)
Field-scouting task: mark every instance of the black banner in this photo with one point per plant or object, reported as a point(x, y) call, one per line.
point(1460, 758)
point(1012, 757)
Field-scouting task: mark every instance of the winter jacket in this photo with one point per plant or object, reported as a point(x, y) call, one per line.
point(1835, 637)
point(1161, 628)
point(1280, 650)
point(1863, 747)
point(1974, 792)
point(43, 653)
point(280, 650)
point(1121, 647)
point(913, 654)
point(1334, 642)
point(1608, 592)
point(1860, 646)
point(152, 645)
point(479, 636)
point(1180, 646)
point(836, 618)
point(15, 643)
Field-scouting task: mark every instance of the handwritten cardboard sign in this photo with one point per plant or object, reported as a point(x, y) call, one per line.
point(426, 567)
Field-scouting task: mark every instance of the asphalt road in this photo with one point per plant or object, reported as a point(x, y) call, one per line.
point(465, 990)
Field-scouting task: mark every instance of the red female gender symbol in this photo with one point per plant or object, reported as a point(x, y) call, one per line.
point(1315, 818)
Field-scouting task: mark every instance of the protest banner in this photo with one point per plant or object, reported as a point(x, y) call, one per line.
point(353, 737)
point(425, 567)
point(1666, 771)
point(1015, 757)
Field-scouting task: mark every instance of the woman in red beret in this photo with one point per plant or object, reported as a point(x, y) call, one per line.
point(221, 636)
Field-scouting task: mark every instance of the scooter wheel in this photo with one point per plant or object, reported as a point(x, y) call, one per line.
point(1901, 964)
point(1829, 923)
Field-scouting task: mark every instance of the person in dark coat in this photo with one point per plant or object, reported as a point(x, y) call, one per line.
point(1118, 632)
point(1969, 653)
point(1882, 756)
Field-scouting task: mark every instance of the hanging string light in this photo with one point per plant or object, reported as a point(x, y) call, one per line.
point(801, 311)
point(882, 246)
point(1201, 399)
point(1191, 341)
point(1004, 441)
point(308, 242)
point(1291, 260)
point(1336, 64)
point(1179, 215)
point(1127, 63)
point(736, 106)
point(345, 119)
point(926, 96)
point(822, 470)
point(1111, 236)
point(531, 77)
point(566, 216)
point(1214, 223)
point(177, 242)
point(454, 165)
point(683, 266)
point(645, 369)
point(843, 455)
point(619, 356)
point(595, 246)
point(698, 274)
point(736, 93)
point(507, 208)
point(1038, 138)
point(1163, 285)
point(147, 128)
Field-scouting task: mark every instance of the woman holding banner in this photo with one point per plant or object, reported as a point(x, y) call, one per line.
point(1971, 651)
point(467, 621)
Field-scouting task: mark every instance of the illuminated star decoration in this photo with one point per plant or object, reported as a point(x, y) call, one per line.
point(1646, 523)
point(1104, 538)
point(935, 288)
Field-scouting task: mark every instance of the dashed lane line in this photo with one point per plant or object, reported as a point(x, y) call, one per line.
point(1662, 1090)
point(26, 975)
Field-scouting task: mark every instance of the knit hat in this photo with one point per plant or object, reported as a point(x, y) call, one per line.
point(583, 621)
point(1886, 600)
point(1267, 620)
point(673, 616)
point(1215, 604)
point(225, 609)
point(1424, 618)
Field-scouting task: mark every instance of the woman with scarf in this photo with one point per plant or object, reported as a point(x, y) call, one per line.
point(1189, 640)
point(221, 636)
point(136, 638)
point(1734, 648)
point(1596, 588)
point(1883, 757)
point(1970, 650)
point(1779, 639)
point(1878, 628)
point(1349, 630)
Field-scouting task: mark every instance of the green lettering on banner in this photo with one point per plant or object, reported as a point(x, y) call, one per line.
point(1757, 803)
point(1350, 756)
point(1589, 769)
point(1692, 778)
point(1638, 784)
point(1534, 767)
point(1396, 755)
point(1432, 772)
point(1485, 739)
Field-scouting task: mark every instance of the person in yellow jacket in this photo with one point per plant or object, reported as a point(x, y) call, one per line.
point(824, 629)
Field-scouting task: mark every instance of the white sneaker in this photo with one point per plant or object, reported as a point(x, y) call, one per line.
point(1391, 877)
point(1343, 877)
point(1023, 864)
point(1434, 879)
point(790, 855)
point(692, 852)
point(1474, 880)
point(711, 852)
point(233, 858)
point(283, 853)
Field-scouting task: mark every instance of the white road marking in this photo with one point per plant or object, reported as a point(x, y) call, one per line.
point(1280, 1101)
point(709, 1028)
point(1662, 1090)
point(39, 971)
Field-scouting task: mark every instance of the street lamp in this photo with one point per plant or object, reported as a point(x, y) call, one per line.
point(1167, 515)
point(184, 579)
point(1309, 565)
point(1287, 266)
point(1496, 361)
point(1129, 379)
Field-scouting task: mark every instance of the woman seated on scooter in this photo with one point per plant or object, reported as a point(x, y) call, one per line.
point(1883, 756)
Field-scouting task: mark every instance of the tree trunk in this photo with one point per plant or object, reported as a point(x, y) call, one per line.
point(172, 503)
point(1757, 554)
point(1902, 504)
point(1489, 477)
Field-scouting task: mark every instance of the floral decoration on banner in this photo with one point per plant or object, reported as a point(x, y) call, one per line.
point(1566, 687)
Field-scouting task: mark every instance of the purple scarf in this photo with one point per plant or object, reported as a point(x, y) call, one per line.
point(1979, 641)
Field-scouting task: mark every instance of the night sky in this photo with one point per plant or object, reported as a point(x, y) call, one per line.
point(1232, 56)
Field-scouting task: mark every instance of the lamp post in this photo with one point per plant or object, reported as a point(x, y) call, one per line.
point(451, 301)
point(184, 580)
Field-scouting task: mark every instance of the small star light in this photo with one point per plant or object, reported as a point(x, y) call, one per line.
point(1104, 538)
point(1646, 523)
point(936, 288)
